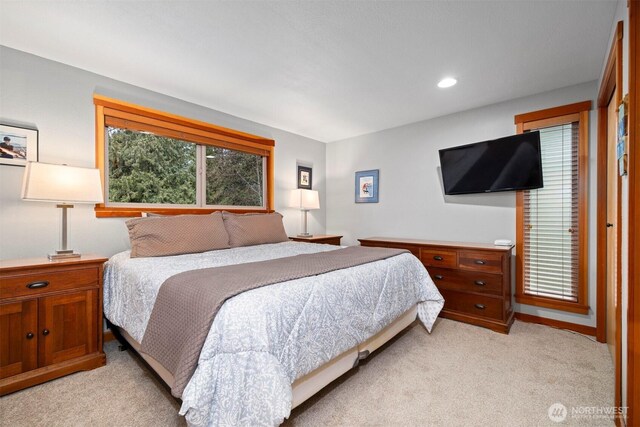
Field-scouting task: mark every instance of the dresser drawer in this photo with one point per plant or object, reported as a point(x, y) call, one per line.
point(438, 258)
point(468, 281)
point(480, 261)
point(45, 282)
point(476, 305)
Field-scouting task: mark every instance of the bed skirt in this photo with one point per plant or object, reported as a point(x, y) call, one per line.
point(305, 387)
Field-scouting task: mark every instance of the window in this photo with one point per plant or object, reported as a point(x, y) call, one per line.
point(551, 258)
point(234, 178)
point(150, 169)
point(157, 162)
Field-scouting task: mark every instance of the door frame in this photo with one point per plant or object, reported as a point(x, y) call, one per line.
point(633, 316)
point(611, 83)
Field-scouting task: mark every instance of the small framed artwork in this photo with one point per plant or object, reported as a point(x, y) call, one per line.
point(18, 145)
point(304, 177)
point(367, 186)
point(621, 146)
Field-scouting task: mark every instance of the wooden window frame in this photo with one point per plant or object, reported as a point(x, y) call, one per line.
point(544, 118)
point(123, 114)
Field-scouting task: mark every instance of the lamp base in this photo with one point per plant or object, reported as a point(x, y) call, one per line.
point(307, 235)
point(63, 254)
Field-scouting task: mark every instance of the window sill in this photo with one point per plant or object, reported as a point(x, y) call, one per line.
point(117, 212)
point(573, 307)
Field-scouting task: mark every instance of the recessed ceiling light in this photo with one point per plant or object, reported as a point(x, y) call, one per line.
point(447, 82)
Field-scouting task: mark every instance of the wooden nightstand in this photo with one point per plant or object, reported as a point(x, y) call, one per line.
point(319, 238)
point(50, 318)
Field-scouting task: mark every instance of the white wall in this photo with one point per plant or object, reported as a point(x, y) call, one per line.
point(412, 202)
point(58, 100)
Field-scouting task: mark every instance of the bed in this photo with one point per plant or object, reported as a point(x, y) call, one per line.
point(271, 348)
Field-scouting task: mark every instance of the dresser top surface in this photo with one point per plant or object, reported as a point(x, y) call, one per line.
point(17, 264)
point(442, 243)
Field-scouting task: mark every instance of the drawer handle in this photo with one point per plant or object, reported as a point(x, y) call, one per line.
point(46, 331)
point(480, 262)
point(38, 285)
point(438, 277)
point(480, 306)
point(479, 283)
point(30, 335)
point(437, 258)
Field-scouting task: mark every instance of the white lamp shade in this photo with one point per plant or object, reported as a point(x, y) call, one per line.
point(58, 183)
point(305, 199)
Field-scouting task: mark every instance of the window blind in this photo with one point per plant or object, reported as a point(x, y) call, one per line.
point(551, 233)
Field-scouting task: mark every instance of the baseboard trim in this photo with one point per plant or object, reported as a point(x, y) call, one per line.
point(582, 329)
point(108, 336)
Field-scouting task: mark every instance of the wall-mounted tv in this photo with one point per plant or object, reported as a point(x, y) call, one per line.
point(510, 163)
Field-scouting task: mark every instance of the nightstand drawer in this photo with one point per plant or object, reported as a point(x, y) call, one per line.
point(468, 281)
point(480, 261)
point(476, 305)
point(46, 282)
point(327, 239)
point(438, 258)
point(330, 241)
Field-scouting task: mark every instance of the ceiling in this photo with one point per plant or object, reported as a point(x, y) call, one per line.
point(327, 70)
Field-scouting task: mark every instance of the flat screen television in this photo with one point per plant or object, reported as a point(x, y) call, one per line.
point(510, 163)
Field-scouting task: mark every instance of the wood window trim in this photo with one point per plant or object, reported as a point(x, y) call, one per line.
point(185, 135)
point(126, 107)
point(142, 118)
point(545, 118)
point(549, 113)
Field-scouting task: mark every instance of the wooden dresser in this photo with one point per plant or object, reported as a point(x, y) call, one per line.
point(50, 319)
point(473, 278)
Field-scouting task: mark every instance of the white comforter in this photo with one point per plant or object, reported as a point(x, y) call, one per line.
point(263, 339)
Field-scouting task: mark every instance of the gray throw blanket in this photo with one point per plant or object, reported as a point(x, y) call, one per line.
point(188, 302)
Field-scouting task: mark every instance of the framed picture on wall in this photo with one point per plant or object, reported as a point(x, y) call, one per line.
point(18, 145)
point(304, 177)
point(367, 186)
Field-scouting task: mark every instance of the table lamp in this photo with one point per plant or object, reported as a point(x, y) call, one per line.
point(44, 182)
point(305, 200)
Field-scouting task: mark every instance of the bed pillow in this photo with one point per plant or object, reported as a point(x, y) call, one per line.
point(175, 235)
point(254, 228)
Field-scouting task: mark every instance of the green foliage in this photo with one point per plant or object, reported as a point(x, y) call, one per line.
point(234, 178)
point(146, 168)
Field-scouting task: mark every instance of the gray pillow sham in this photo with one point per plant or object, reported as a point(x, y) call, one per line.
point(175, 235)
point(254, 228)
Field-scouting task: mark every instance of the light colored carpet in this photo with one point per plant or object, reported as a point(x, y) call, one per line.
point(460, 375)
